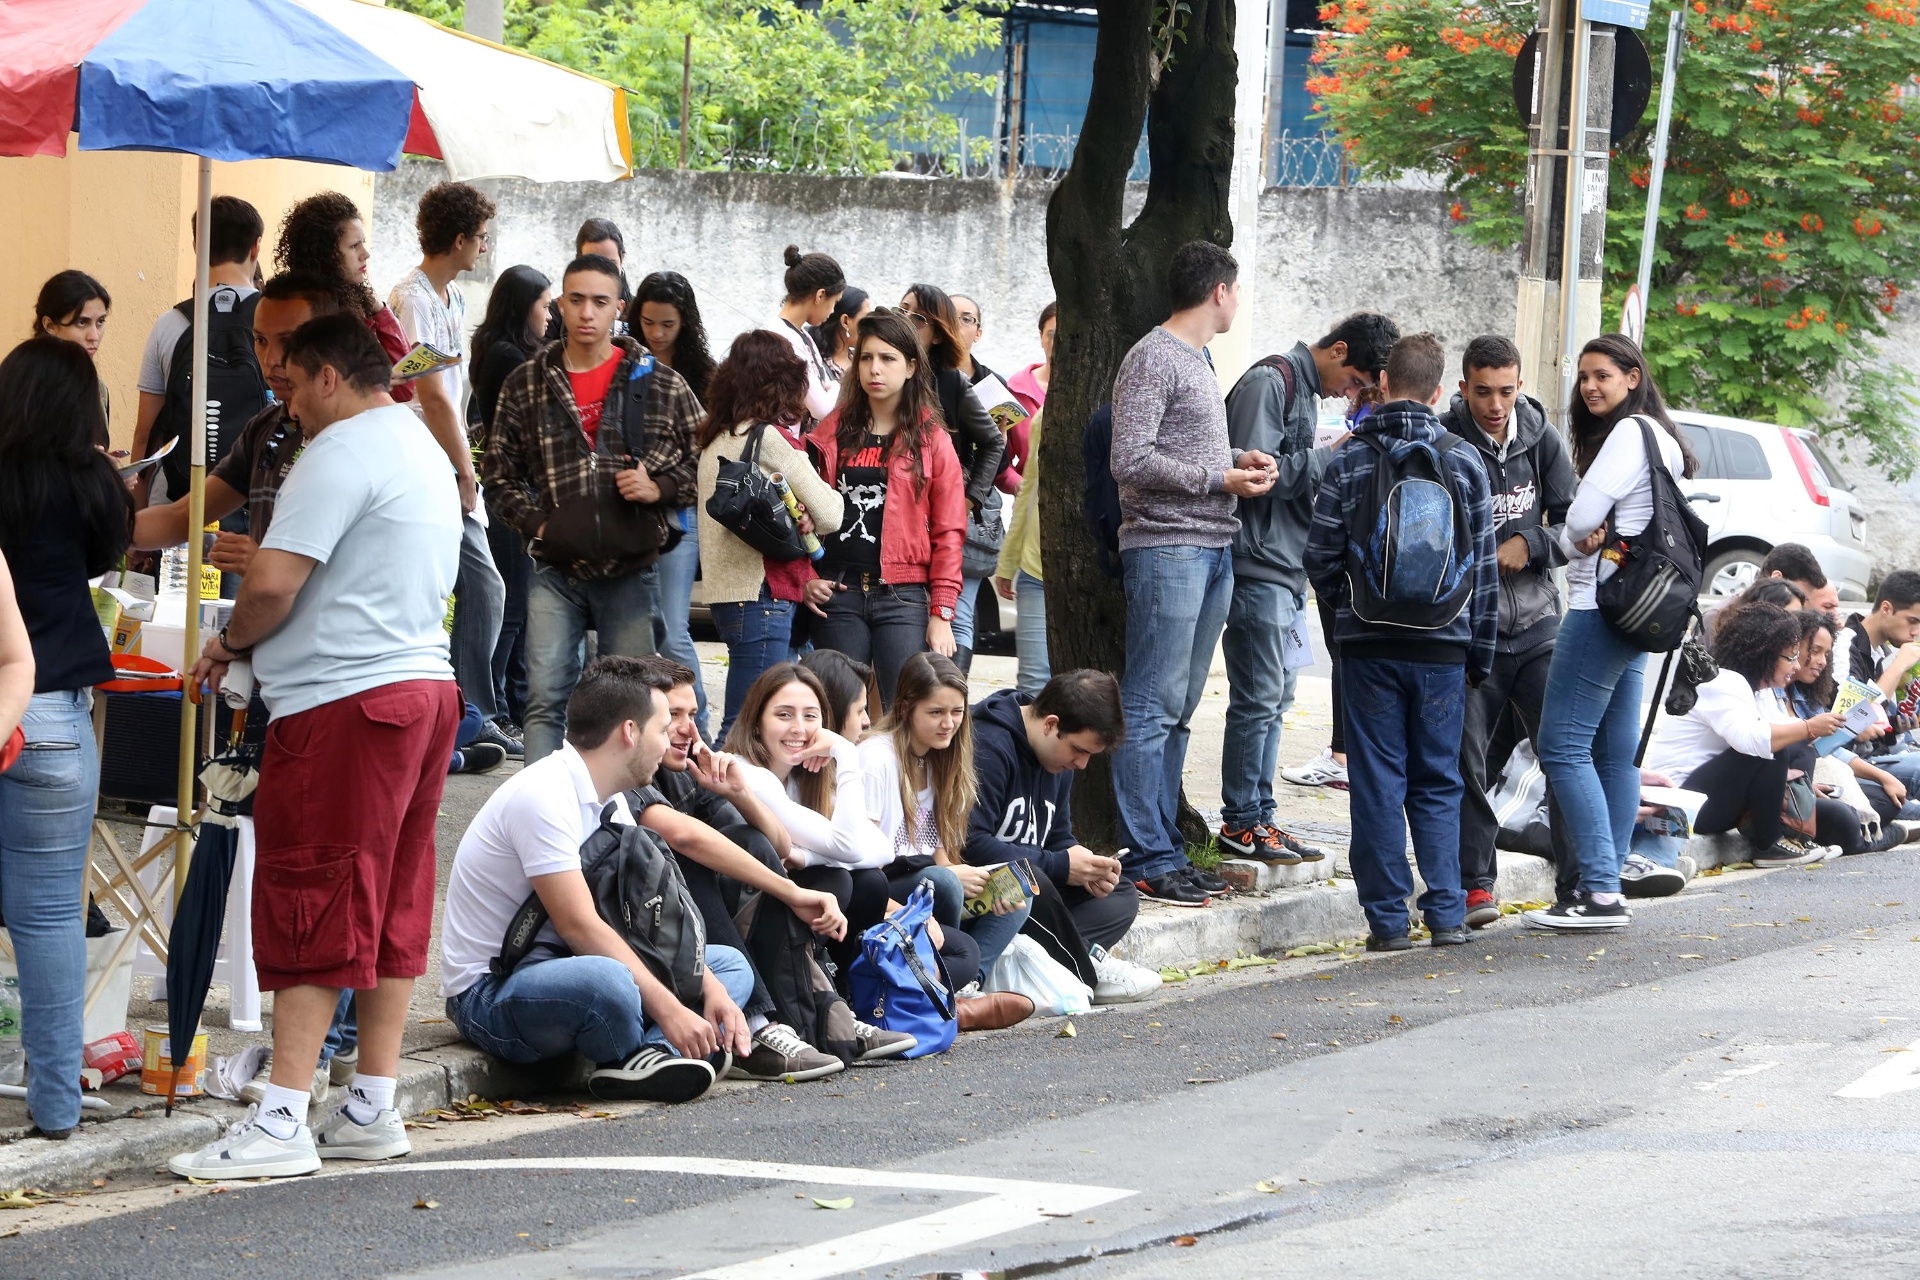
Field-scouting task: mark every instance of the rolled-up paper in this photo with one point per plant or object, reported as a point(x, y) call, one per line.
point(237, 685)
point(807, 540)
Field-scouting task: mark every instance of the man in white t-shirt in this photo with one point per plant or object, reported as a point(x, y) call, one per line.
point(340, 615)
point(455, 222)
point(582, 989)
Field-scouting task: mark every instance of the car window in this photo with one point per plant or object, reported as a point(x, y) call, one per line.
point(1740, 456)
point(1835, 478)
point(1700, 444)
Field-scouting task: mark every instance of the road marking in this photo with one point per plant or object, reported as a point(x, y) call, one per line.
point(1734, 1073)
point(1897, 1074)
point(1009, 1205)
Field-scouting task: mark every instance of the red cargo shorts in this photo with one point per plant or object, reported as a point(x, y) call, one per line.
point(343, 830)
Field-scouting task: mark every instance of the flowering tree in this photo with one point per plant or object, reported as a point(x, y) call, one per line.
point(1790, 213)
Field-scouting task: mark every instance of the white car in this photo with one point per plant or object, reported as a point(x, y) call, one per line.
point(1760, 484)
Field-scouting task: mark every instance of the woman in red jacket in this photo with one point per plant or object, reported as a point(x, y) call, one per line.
point(891, 575)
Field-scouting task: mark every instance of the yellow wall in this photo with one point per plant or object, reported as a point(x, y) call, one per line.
point(122, 217)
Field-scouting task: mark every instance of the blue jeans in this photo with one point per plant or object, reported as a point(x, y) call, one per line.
point(1403, 767)
point(584, 1004)
point(1588, 737)
point(758, 634)
point(991, 933)
point(510, 650)
point(1030, 634)
point(479, 603)
point(677, 569)
point(1259, 691)
point(560, 612)
point(343, 1033)
point(963, 611)
point(1177, 602)
point(46, 826)
point(471, 722)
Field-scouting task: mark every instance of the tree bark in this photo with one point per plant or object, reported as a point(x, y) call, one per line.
point(1110, 279)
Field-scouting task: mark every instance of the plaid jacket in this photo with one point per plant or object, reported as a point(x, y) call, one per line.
point(537, 455)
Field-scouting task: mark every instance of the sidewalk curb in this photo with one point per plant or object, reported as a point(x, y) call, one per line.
point(1266, 923)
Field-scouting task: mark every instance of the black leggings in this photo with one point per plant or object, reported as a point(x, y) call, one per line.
point(863, 897)
point(1339, 744)
point(1746, 791)
point(718, 898)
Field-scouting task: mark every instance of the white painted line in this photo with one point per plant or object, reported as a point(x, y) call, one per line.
point(1899, 1073)
point(1009, 1205)
point(1734, 1073)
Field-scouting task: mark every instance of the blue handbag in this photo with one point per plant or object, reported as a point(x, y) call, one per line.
point(898, 981)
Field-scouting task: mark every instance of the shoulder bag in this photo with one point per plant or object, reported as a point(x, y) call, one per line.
point(1651, 595)
point(747, 503)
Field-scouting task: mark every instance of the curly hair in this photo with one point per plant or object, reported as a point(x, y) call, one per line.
point(1822, 688)
point(448, 211)
point(761, 380)
point(310, 243)
point(692, 358)
point(1753, 640)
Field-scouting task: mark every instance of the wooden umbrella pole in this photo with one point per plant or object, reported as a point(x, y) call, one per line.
point(196, 516)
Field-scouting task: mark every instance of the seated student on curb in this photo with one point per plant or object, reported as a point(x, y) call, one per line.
point(852, 697)
point(920, 789)
point(1810, 692)
point(1404, 684)
point(1026, 751)
point(1739, 743)
point(1880, 647)
point(727, 842)
point(1796, 564)
point(584, 990)
point(810, 777)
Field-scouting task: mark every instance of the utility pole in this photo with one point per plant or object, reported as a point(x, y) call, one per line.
point(486, 19)
point(1233, 350)
point(1566, 204)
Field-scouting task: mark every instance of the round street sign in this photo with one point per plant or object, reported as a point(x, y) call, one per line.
point(1632, 81)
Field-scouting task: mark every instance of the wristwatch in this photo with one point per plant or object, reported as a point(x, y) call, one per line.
point(943, 612)
point(230, 647)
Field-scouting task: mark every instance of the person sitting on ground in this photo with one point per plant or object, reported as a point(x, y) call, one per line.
point(727, 843)
point(1882, 647)
point(810, 777)
point(1739, 744)
point(583, 989)
point(1775, 591)
point(1026, 751)
point(1813, 690)
point(1798, 565)
point(920, 789)
point(852, 695)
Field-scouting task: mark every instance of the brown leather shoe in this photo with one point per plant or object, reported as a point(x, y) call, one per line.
point(994, 1011)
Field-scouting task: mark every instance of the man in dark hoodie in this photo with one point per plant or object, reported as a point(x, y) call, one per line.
point(1532, 482)
point(1025, 753)
point(1275, 408)
point(1405, 682)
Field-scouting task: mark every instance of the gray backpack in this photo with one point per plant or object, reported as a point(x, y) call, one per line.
point(637, 889)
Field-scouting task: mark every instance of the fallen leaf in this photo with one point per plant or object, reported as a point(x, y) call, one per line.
point(1067, 1032)
point(1185, 1242)
point(1691, 956)
point(1250, 962)
point(1173, 975)
point(1276, 1035)
point(1268, 1188)
point(1049, 1213)
point(99, 1182)
point(514, 1108)
point(426, 1204)
point(846, 1202)
point(9, 1234)
point(1205, 1080)
point(1395, 1018)
point(1310, 949)
point(25, 1198)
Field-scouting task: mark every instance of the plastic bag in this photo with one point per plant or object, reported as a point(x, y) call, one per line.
point(1026, 969)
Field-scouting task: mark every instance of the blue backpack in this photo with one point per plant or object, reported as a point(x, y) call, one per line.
point(1409, 546)
point(898, 981)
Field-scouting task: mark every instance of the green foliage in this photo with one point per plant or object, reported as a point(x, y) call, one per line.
point(848, 87)
point(1790, 212)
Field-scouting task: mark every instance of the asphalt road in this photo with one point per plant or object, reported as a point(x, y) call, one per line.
point(1658, 1102)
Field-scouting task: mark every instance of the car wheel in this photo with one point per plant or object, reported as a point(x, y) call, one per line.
point(1731, 572)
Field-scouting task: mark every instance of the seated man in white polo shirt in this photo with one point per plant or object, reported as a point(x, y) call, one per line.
point(595, 996)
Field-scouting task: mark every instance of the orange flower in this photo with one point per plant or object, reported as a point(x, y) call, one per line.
point(1458, 212)
point(1328, 12)
point(1753, 46)
point(1864, 226)
point(1356, 25)
point(1809, 116)
point(1397, 52)
point(1811, 222)
point(1687, 308)
point(1640, 177)
point(1700, 6)
point(1696, 213)
point(1774, 239)
point(1733, 242)
point(1794, 322)
point(1890, 113)
point(1424, 106)
point(1739, 198)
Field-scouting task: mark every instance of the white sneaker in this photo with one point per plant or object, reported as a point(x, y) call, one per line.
point(341, 1137)
point(1120, 981)
point(340, 1070)
point(1321, 771)
point(248, 1151)
point(1641, 877)
point(254, 1091)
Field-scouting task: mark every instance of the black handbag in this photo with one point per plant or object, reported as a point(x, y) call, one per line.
point(1652, 595)
point(746, 502)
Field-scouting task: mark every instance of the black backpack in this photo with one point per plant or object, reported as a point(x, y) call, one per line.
point(1654, 591)
point(786, 955)
point(1102, 496)
point(747, 503)
point(637, 889)
point(1409, 544)
point(236, 389)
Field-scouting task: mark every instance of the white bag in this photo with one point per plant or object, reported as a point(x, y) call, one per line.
point(1026, 969)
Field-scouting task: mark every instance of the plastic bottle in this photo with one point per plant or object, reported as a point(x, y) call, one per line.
point(13, 1059)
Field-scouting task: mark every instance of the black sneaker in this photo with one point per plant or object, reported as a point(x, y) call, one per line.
point(1399, 942)
point(478, 757)
point(1292, 844)
point(1174, 889)
point(1579, 915)
point(1790, 851)
point(493, 734)
point(652, 1075)
point(1207, 882)
point(1448, 937)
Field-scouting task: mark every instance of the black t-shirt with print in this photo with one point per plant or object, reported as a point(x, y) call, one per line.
point(862, 484)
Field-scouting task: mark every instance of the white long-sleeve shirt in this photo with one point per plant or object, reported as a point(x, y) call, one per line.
point(1730, 715)
point(912, 835)
point(849, 838)
point(1618, 486)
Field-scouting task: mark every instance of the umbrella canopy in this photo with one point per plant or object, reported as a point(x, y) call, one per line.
point(332, 80)
point(193, 943)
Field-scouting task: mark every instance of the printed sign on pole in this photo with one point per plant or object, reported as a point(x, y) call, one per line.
point(1633, 316)
point(1621, 13)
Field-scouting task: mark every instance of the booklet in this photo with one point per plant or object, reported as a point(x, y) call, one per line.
point(1857, 704)
point(1006, 411)
point(132, 469)
point(422, 360)
point(1674, 810)
point(1010, 882)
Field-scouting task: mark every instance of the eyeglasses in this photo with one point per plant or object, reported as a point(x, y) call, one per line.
point(915, 316)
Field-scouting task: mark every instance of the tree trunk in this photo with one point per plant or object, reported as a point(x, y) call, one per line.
point(1110, 279)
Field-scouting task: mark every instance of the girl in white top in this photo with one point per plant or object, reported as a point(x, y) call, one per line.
point(814, 284)
point(1587, 742)
point(1740, 742)
point(921, 790)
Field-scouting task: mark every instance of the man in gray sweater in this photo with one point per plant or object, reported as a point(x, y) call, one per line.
point(1275, 408)
point(1179, 481)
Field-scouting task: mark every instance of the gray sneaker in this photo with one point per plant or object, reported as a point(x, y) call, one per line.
point(344, 1063)
point(779, 1054)
point(875, 1044)
point(248, 1151)
point(254, 1091)
point(341, 1137)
